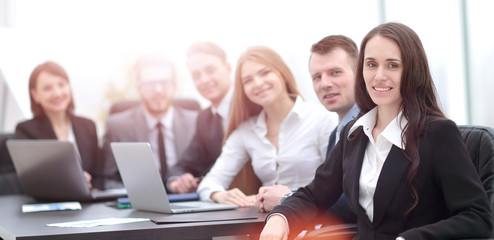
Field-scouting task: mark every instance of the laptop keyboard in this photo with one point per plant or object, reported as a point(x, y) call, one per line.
point(185, 205)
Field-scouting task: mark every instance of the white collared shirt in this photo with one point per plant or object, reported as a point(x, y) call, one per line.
point(302, 144)
point(71, 138)
point(223, 108)
point(375, 155)
point(167, 121)
point(70, 134)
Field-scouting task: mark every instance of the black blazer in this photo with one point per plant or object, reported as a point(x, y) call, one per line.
point(452, 203)
point(84, 133)
point(204, 148)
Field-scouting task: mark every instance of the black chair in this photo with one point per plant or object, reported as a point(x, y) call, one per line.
point(9, 182)
point(120, 106)
point(479, 141)
point(480, 144)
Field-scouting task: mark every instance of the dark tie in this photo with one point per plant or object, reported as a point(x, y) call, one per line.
point(161, 149)
point(218, 124)
point(332, 142)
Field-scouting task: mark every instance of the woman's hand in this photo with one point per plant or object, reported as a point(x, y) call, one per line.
point(276, 228)
point(269, 197)
point(233, 197)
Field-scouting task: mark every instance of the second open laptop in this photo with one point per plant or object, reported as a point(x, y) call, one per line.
point(142, 179)
point(50, 170)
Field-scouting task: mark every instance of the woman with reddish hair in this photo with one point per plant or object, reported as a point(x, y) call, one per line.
point(52, 106)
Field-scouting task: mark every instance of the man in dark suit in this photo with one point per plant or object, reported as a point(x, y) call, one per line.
point(168, 128)
point(211, 75)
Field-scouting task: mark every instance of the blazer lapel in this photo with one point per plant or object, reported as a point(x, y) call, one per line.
point(353, 160)
point(46, 129)
point(81, 137)
point(79, 133)
point(390, 178)
point(141, 130)
point(180, 131)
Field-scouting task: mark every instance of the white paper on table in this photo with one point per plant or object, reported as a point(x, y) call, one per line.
point(97, 222)
point(41, 207)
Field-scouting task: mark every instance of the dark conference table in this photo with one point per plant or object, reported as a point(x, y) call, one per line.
point(17, 225)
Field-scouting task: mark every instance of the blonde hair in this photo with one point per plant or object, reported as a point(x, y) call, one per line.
point(242, 108)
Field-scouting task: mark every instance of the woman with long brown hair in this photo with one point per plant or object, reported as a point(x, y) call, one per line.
point(402, 165)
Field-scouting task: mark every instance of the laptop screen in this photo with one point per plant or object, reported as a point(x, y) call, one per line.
point(49, 169)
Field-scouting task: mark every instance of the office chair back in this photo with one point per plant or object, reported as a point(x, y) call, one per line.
point(246, 180)
point(480, 144)
point(9, 182)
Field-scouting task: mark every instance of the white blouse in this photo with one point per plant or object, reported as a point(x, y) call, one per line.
point(375, 155)
point(302, 143)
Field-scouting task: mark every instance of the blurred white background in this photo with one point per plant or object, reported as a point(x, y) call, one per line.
point(96, 41)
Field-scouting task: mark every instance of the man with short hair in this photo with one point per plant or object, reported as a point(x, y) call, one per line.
point(210, 73)
point(167, 127)
point(332, 67)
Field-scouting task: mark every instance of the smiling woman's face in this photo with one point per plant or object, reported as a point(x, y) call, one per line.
point(52, 92)
point(383, 67)
point(261, 84)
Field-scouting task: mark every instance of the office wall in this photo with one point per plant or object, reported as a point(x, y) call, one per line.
point(97, 41)
point(481, 60)
point(10, 112)
point(443, 43)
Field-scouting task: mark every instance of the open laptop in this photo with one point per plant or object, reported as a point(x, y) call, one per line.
point(50, 170)
point(144, 185)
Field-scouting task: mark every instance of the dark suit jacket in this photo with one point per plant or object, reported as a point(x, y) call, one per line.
point(204, 148)
point(452, 203)
point(85, 136)
point(131, 126)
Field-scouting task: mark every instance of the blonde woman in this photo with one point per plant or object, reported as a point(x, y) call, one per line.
point(284, 136)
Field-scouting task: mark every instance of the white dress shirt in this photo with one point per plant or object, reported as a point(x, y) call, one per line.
point(167, 121)
point(302, 144)
point(71, 135)
point(375, 155)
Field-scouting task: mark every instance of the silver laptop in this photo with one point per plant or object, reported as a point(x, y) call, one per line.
point(51, 170)
point(144, 185)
